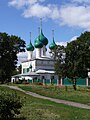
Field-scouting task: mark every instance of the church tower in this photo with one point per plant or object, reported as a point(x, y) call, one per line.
point(38, 45)
point(30, 49)
point(43, 39)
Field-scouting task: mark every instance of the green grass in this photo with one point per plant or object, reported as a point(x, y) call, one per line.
point(39, 109)
point(81, 95)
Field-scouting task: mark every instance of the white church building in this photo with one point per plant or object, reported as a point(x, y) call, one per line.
point(38, 67)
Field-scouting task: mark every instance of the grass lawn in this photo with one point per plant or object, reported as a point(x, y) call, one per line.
point(39, 109)
point(81, 95)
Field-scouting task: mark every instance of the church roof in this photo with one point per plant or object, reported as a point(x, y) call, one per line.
point(30, 47)
point(53, 44)
point(26, 74)
point(45, 71)
point(38, 43)
point(43, 39)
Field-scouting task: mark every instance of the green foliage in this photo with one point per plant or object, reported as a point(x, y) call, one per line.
point(78, 56)
point(9, 47)
point(59, 56)
point(38, 83)
point(82, 95)
point(76, 61)
point(17, 70)
point(40, 109)
point(10, 105)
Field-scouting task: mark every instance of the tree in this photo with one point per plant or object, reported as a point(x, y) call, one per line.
point(17, 70)
point(73, 61)
point(9, 47)
point(59, 56)
point(78, 57)
point(10, 105)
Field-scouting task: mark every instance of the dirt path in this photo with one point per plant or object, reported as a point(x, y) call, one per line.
point(75, 104)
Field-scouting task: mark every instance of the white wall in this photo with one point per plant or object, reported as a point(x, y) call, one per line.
point(26, 65)
point(45, 64)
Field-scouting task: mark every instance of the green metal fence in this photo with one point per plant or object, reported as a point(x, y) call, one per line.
point(29, 81)
point(47, 81)
point(79, 81)
point(41, 81)
point(54, 81)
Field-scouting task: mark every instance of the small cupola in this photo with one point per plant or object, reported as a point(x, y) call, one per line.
point(53, 44)
point(43, 39)
point(38, 43)
point(30, 47)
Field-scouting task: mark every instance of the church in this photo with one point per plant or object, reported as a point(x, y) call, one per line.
point(38, 67)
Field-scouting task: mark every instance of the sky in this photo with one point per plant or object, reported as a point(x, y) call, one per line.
point(68, 18)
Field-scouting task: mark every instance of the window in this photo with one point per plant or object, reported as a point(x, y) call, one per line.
point(27, 69)
point(43, 77)
point(23, 70)
point(52, 77)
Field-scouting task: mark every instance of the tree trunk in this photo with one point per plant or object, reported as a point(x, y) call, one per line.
point(74, 84)
point(59, 78)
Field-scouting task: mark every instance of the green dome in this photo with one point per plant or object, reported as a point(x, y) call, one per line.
point(52, 45)
point(30, 47)
point(43, 39)
point(38, 43)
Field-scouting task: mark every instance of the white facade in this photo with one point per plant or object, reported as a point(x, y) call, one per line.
point(38, 52)
point(43, 66)
point(44, 50)
point(40, 63)
point(26, 65)
point(30, 55)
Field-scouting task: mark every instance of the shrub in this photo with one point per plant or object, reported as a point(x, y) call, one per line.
point(25, 82)
point(10, 105)
point(18, 82)
point(39, 83)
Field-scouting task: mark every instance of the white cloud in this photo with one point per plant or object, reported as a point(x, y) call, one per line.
point(34, 8)
point(22, 57)
point(37, 10)
point(70, 14)
point(65, 43)
point(17, 3)
point(21, 3)
point(73, 38)
point(62, 43)
point(77, 16)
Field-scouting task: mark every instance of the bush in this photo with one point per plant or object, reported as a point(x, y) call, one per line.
point(38, 83)
point(18, 82)
point(10, 105)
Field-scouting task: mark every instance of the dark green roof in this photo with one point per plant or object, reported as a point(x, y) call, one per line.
point(43, 39)
point(52, 45)
point(30, 47)
point(38, 43)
